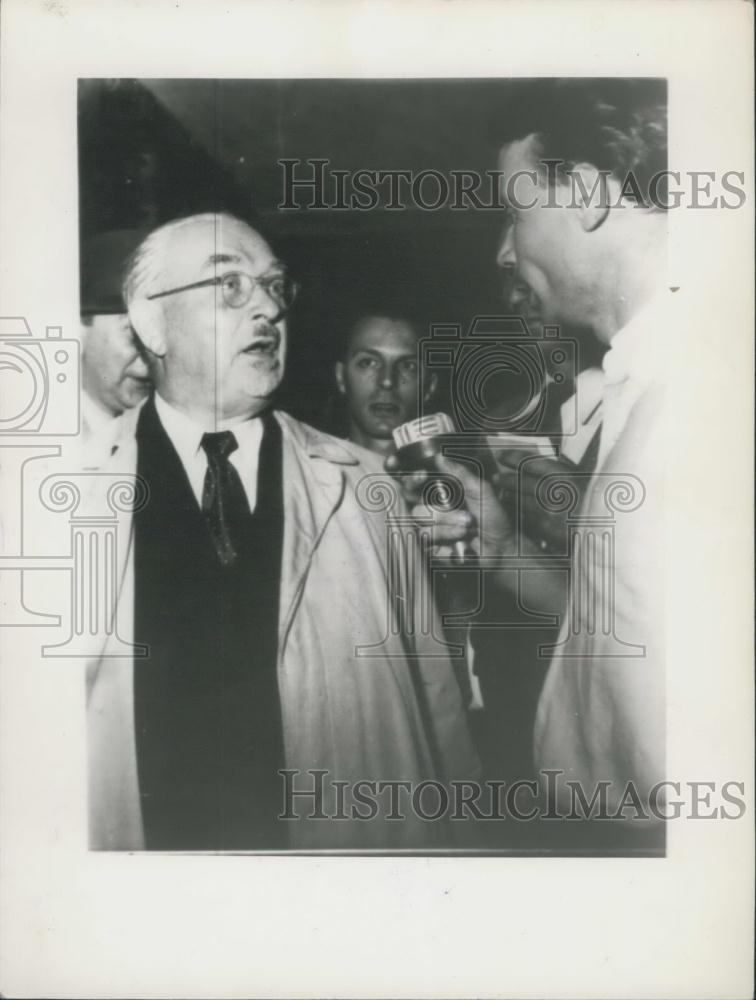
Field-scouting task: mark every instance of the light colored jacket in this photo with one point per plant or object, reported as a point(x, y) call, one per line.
point(601, 716)
point(393, 715)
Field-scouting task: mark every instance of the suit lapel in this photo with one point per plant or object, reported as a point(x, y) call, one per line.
point(313, 488)
point(314, 483)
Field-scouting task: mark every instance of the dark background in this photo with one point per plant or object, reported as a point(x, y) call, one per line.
point(153, 150)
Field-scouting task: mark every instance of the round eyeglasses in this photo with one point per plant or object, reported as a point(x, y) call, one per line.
point(237, 288)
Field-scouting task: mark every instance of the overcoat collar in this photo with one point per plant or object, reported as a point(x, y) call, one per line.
point(309, 458)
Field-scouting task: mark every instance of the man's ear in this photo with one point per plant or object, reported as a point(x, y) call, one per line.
point(147, 320)
point(590, 190)
point(339, 372)
point(431, 384)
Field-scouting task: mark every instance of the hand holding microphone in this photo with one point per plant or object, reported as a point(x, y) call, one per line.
point(419, 451)
point(428, 478)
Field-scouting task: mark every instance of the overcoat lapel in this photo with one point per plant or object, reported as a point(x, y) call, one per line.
point(307, 511)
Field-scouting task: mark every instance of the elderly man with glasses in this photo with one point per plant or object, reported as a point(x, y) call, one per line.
point(257, 586)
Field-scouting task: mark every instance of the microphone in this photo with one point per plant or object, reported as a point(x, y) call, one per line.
point(418, 445)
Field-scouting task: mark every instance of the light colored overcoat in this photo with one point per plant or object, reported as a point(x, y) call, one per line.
point(358, 717)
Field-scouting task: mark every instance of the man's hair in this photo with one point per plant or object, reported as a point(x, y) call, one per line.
point(617, 125)
point(145, 269)
point(354, 319)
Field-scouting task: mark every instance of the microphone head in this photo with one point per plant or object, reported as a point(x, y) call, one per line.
point(417, 442)
point(417, 431)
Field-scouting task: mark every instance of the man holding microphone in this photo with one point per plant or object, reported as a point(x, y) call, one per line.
point(594, 256)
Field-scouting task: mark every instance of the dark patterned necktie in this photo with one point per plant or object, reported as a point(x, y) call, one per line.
point(224, 502)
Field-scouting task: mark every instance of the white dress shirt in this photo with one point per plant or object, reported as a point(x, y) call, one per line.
point(637, 358)
point(93, 417)
point(186, 435)
point(99, 432)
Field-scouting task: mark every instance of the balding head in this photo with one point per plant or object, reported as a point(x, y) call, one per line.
point(208, 298)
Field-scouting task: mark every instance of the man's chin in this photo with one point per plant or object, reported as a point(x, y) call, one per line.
point(260, 396)
point(133, 395)
point(382, 429)
point(263, 370)
point(250, 395)
point(262, 359)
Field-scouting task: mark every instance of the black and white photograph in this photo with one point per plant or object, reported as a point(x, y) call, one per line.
point(375, 534)
point(292, 290)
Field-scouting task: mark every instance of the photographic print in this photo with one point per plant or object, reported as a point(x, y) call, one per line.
point(349, 682)
point(375, 563)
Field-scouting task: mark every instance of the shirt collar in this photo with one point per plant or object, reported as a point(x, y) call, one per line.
point(100, 433)
point(639, 351)
point(94, 417)
point(186, 435)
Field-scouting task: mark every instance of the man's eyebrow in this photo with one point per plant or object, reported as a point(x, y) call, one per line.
point(229, 258)
point(221, 258)
point(377, 353)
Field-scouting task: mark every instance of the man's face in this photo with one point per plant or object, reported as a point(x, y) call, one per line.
point(522, 301)
point(543, 242)
point(379, 378)
point(114, 372)
point(219, 359)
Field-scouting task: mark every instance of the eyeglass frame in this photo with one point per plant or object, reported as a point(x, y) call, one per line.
point(220, 278)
